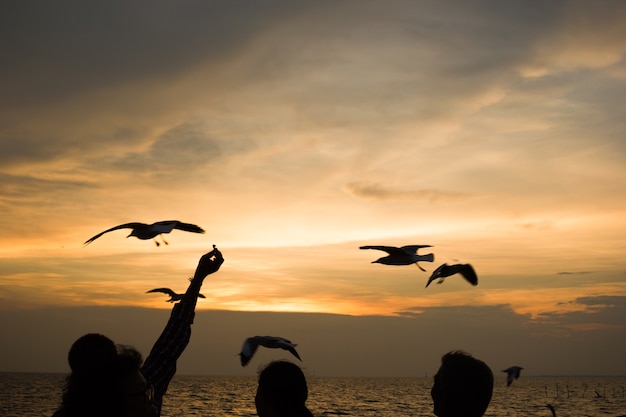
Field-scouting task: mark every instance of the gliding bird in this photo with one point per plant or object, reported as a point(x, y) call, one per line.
point(251, 344)
point(446, 270)
point(173, 296)
point(512, 373)
point(145, 231)
point(405, 255)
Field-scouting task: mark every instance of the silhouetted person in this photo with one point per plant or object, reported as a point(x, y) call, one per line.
point(109, 380)
point(463, 386)
point(282, 391)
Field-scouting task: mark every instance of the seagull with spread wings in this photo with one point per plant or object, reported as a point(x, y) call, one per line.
point(145, 231)
point(445, 270)
point(405, 255)
point(251, 344)
point(173, 296)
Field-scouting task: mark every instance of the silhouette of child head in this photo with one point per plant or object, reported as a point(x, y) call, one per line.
point(90, 352)
point(282, 391)
point(463, 386)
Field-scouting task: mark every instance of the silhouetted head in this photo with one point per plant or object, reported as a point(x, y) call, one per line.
point(105, 381)
point(90, 352)
point(282, 391)
point(463, 386)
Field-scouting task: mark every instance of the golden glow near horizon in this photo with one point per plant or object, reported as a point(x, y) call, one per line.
point(301, 133)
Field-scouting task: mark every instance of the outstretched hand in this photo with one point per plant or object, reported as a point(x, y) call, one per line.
point(209, 263)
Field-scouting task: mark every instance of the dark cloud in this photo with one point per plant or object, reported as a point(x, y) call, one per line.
point(33, 145)
point(599, 311)
point(21, 194)
point(604, 300)
point(58, 50)
point(179, 152)
point(380, 192)
point(70, 48)
point(337, 63)
point(329, 344)
point(471, 315)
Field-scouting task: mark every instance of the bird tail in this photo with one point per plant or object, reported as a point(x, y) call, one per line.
point(429, 257)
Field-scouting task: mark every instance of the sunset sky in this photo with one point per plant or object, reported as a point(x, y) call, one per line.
point(294, 132)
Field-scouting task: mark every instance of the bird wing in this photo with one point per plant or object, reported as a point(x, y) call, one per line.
point(276, 342)
point(389, 249)
point(247, 350)
point(412, 249)
point(164, 226)
point(469, 274)
point(437, 273)
point(512, 373)
point(187, 227)
point(271, 342)
point(509, 378)
point(165, 291)
point(121, 226)
point(293, 352)
point(280, 342)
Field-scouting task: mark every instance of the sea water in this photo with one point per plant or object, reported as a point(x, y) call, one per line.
point(33, 394)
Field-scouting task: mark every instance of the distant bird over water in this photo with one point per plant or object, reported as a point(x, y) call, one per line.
point(512, 373)
point(405, 255)
point(145, 231)
point(251, 344)
point(446, 270)
point(173, 296)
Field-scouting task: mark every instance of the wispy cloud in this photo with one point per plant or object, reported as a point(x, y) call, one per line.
point(379, 192)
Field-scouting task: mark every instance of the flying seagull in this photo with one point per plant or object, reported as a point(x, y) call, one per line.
point(145, 231)
point(252, 343)
point(173, 296)
point(446, 270)
point(512, 373)
point(405, 255)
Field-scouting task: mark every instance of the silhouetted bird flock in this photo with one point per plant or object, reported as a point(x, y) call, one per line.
point(407, 255)
point(404, 255)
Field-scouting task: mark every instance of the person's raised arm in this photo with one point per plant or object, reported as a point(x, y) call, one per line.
point(160, 366)
point(208, 264)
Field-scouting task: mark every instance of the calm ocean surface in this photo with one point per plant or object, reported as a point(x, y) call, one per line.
point(32, 394)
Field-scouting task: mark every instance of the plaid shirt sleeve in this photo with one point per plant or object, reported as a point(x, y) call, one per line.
point(160, 366)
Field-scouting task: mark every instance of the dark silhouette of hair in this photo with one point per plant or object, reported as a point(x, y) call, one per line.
point(98, 367)
point(91, 351)
point(463, 386)
point(283, 387)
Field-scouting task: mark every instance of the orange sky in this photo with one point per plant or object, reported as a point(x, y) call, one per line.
point(295, 133)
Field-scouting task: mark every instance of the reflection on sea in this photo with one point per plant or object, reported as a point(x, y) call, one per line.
point(31, 394)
